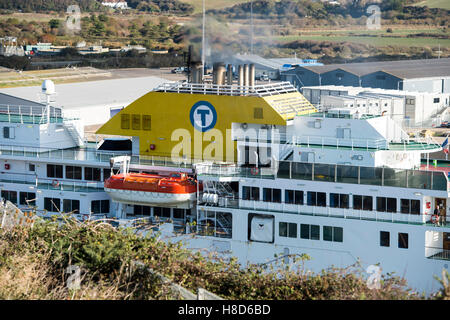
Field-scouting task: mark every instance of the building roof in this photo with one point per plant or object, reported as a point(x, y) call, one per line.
point(9, 100)
point(404, 69)
point(92, 100)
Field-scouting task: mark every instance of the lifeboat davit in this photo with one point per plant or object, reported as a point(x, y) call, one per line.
point(177, 189)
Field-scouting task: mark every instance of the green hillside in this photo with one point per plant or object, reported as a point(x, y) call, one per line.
point(444, 4)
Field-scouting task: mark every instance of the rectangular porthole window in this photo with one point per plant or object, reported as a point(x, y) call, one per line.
point(258, 113)
point(287, 229)
point(335, 234)
point(403, 240)
point(146, 122)
point(384, 239)
point(136, 122)
point(125, 121)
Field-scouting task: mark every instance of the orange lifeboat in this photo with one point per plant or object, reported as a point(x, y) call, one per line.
point(177, 189)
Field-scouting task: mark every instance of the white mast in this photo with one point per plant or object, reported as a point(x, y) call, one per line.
point(251, 28)
point(203, 43)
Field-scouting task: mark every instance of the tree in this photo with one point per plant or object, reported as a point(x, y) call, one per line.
point(54, 23)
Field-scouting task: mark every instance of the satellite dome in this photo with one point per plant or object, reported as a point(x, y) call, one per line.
point(48, 87)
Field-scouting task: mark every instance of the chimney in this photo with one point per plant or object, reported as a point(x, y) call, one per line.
point(219, 73)
point(196, 71)
point(246, 75)
point(252, 75)
point(230, 75)
point(241, 76)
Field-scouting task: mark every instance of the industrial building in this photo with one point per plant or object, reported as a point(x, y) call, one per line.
point(429, 75)
point(412, 108)
point(271, 67)
point(92, 101)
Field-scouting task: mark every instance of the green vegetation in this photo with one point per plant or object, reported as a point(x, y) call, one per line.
point(34, 260)
point(154, 6)
point(443, 4)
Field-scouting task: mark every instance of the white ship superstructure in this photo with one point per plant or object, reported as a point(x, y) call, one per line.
point(341, 186)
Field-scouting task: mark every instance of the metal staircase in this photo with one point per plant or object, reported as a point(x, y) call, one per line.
point(73, 132)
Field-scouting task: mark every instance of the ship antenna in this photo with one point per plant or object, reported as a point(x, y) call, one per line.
point(203, 42)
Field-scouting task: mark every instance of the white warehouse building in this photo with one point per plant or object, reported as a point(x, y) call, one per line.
point(414, 109)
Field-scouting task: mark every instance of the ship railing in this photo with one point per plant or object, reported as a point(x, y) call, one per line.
point(78, 154)
point(51, 184)
point(377, 176)
point(234, 170)
point(327, 142)
point(437, 253)
point(270, 89)
point(324, 211)
point(33, 114)
point(163, 161)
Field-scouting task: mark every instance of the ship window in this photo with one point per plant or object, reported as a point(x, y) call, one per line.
point(335, 234)
point(125, 121)
point(317, 199)
point(403, 240)
point(92, 174)
point(310, 231)
point(8, 132)
point(258, 113)
point(54, 171)
point(106, 174)
point(338, 200)
point(71, 206)
point(178, 213)
point(271, 195)
point(28, 198)
point(146, 122)
point(31, 167)
point(73, 172)
point(410, 206)
point(136, 122)
point(100, 206)
point(10, 195)
point(362, 202)
point(436, 100)
point(52, 204)
point(386, 204)
point(287, 229)
point(141, 210)
point(250, 193)
point(384, 239)
point(161, 212)
point(293, 196)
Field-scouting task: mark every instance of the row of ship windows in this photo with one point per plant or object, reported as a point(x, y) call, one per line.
point(75, 173)
point(310, 232)
point(54, 204)
point(139, 210)
point(336, 200)
point(335, 234)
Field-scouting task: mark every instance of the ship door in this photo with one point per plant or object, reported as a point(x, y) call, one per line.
point(441, 204)
point(446, 241)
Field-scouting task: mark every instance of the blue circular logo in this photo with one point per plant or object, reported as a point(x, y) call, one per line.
point(203, 116)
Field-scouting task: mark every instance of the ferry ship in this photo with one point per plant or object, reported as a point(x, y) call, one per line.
point(244, 170)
